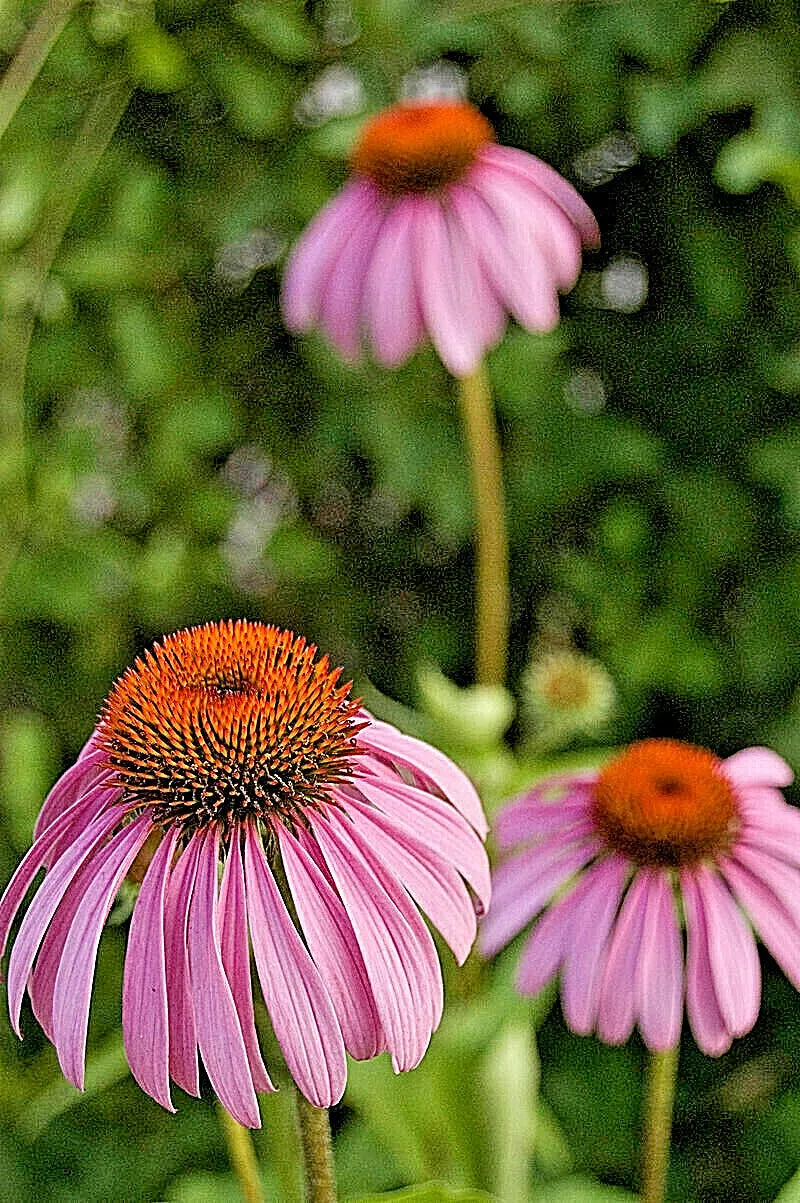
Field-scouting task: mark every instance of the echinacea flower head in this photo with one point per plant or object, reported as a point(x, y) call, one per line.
point(649, 878)
point(233, 749)
point(439, 234)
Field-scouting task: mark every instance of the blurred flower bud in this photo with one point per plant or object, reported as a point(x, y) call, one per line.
point(565, 694)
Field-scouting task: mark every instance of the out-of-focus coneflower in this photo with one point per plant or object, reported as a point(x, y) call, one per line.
point(238, 748)
point(665, 837)
point(440, 233)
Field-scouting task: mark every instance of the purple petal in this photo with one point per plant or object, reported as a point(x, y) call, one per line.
point(585, 960)
point(183, 1065)
point(73, 986)
point(757, 766)
point(299, 1006)
point(532, 815)
point(659, 973)
point(391, 308)
point(421, 758)
point(219, 1034)
point(549, 941)
point(770, 901)
point(342, 304)
point(519, 162)
point(309, 266)
point(390, 948)
point(235, 947)
point(523, 885)
point(333, 945)
point(733, 955)
point(45, 903)
point(430, 881)
point(705, 1017)
point(70, 785)
point(145, 1024)
point(616, 1013)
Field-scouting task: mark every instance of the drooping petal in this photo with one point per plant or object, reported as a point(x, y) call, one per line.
point(550, 941)
point(705, 1017)
point(534, 816)
point(73, 986)
point(585, 959)
point(436, 823)
point(309, 266)
point(341, 308)
point(145, 1023)
point(333, 945)
point(219, 1034)
point(616, 1012)
point(299, 1005)
point(69, 787)
point(434, 766)
point(389, 947)
point(391, 308)
point(524, 883)
point(732, 952)
point(429, 879)
point(659, 973)
point(235, 947)
point(183, 1065)
point(757, 766)
point(543, 176)
point(767, 904)
point(45, 903)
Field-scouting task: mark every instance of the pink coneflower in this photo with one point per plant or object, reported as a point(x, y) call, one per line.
point(666, 837)
point(231, 745)
point(440, 233)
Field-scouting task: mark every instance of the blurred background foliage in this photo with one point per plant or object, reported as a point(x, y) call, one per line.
point(169, 454)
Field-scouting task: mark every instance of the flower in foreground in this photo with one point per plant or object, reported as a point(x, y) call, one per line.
point(232, 745)
point(666, 841)
point(441, 233)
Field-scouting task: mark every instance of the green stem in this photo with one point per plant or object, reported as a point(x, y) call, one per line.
point(315, 1138)
point(658, 1124)
point(491, 537)
point(31, 54)
point(242, 1156)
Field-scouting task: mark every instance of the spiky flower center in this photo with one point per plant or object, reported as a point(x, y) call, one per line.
point(663, 802)
point(229, 721)
point(420, 147)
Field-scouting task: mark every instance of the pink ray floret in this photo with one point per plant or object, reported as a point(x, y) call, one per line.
point(285, 798)
point(440, 234)
point(647, 882)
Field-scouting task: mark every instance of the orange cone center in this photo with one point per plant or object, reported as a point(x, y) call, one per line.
point(663, 802)
point(420, 147)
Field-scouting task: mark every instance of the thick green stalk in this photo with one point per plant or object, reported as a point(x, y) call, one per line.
point(315, 1138)
point(31, 54)
point(658, 1124)
point(242, 1156)
point(491, 537)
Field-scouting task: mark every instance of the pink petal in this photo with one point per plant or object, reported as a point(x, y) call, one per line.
point(235, 948)
point(616, 1013)
point(532, 815)
point(219, 1034)
point(391, 949)
point(523, 885)
point(145, 1024)
point(183, 1065)
point(461, 314)
point(705, 1017)
point(70, 785)
point(585, 959)
point(733, 957)
point(421, 758)
point(87, 808)
point(519, 162)
point(659, 973)
point(342, 304)
point(299, 1006)
point(391, 309)
point(430, 881)
point(45, 903)
point(769, 896)
point(333, 945)
point(309, 267)
point(757, 766)
point(73, 986)
point(550, 941)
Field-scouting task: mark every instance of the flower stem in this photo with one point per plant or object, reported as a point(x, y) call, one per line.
point(242, 1156)
point(315, 1138)
point(491, 537)
point(658, 1124)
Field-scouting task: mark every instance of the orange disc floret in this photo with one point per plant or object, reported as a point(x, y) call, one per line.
point(664, 802)
point(420, 147)
point(229, 721)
